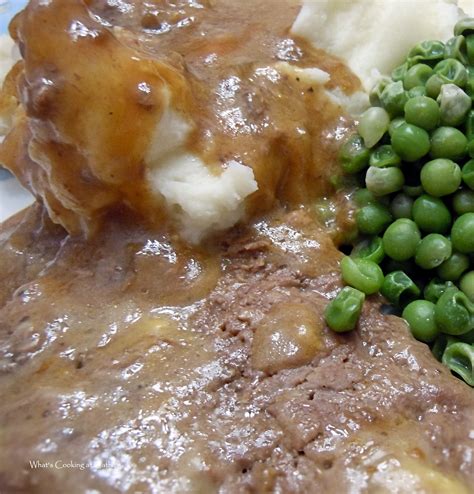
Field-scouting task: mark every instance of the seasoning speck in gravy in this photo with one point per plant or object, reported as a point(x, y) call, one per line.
point(131, 361)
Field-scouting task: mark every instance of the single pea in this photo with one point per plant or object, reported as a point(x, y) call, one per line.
point(398, 288)
point(401, 239)
point(417, 75)
point(462, 234)
point(456, 48)
point(468, 174)
point(454, 105)
point(423, 112)
point(467, 285)
point(364, 275)
point(433, 86)
point(384, 156)
point(451, 71)
point(453, 268)
point(371, 250)
point(416, 91)
point(384, 181)
point(343, 312)
point(432, 251)
point(420, 316)
point(435, 288)
point(459, 358)
point(410, 142)
point(363, 196)
point(393, 98)
point(373, 219)
point(431, 214)
point(465, 26)
point(448, 142)
point(394, 124)
point(376, 92)
point(428, 51)
point(354, 155)
point(401, 206)
point(373, 124)
point(454, 313)
point(398, 73)
point(463, 202)
point(440, 177)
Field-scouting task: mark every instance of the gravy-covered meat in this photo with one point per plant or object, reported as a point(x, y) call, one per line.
point(168, 370)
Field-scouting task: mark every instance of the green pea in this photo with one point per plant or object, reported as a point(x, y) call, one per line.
point(384, 156)
point(417, 75)
point(433, 86)
point(454, 313)
point(416, 91)
point(376, 92)
point(459, 358)
point(343, 312)
point(453, 268)
point(401, 239)
point(384, 181)
point(373, 124)
point(468, 174)
point(440, 177)
point(398, 74)
point(435, 288)
point(426, 51)
point(354, 155)
point(420, 316)
point(456, 48)
point(463, 202)
point(395, 123)
point(398, 288)
point(465, 26)
point(431, 214)
point(373, 219)
point(432, 251)
point(452, 71)
point(362, 197)
point(370, 250)
point(423, 112)
point(362, 274)
point(393, 98)
point(448, 142)
point(467, 285)
point(410, 142)
point(462, 234)
point(454, 105)
point(402, 206)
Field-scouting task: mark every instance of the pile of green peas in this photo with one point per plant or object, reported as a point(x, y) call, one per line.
point(414, 152)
